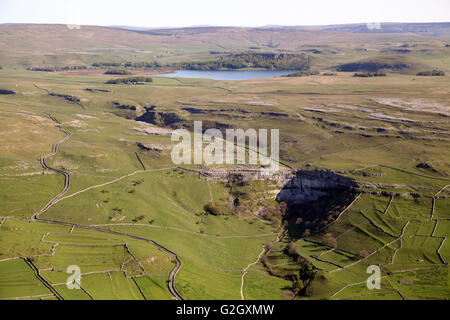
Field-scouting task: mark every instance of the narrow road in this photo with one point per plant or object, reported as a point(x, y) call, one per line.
point(35, 217)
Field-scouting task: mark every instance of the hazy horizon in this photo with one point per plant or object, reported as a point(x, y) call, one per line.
point(225, 26)
point(233, 13)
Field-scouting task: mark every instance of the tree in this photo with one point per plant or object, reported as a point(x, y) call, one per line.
point(298, 285)
point(363, 254)
point(118, 72)
point(431, 73)
point(211, 209)
point(306, 272)
point(292, 249)
point(306, 275)
point(330, 240)
point(283, 207)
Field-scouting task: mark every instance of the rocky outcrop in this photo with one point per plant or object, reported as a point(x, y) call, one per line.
point(196, 110)
point(160, 118)
point(175, 121)
point(66, 97)
point(275, 114)
point(308, 186)
point(3, 91)
point(295, 187)
point(97, 90)
point(146, 147)
point(241, 174)
point(124, 106)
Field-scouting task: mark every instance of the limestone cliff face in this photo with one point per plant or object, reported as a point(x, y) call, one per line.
point(160, 118)
point(308, 186)
point(245, 174)
point(295, 187)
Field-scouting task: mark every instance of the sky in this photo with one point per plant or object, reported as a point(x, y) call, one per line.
point(251, 13)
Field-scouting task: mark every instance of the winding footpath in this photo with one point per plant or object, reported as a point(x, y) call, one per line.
point(35, 217)
point(264, 252)
point(245, 271)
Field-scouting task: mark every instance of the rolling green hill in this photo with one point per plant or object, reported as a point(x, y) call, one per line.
point(57, 45)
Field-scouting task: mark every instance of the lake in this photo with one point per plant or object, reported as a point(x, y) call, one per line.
point(227, 75)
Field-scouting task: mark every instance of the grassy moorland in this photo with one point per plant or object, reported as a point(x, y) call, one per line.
point(390, 134)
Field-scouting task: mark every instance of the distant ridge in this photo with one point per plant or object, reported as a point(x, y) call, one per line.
point(42, 45)
point(434, 29)
point(437, 29)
